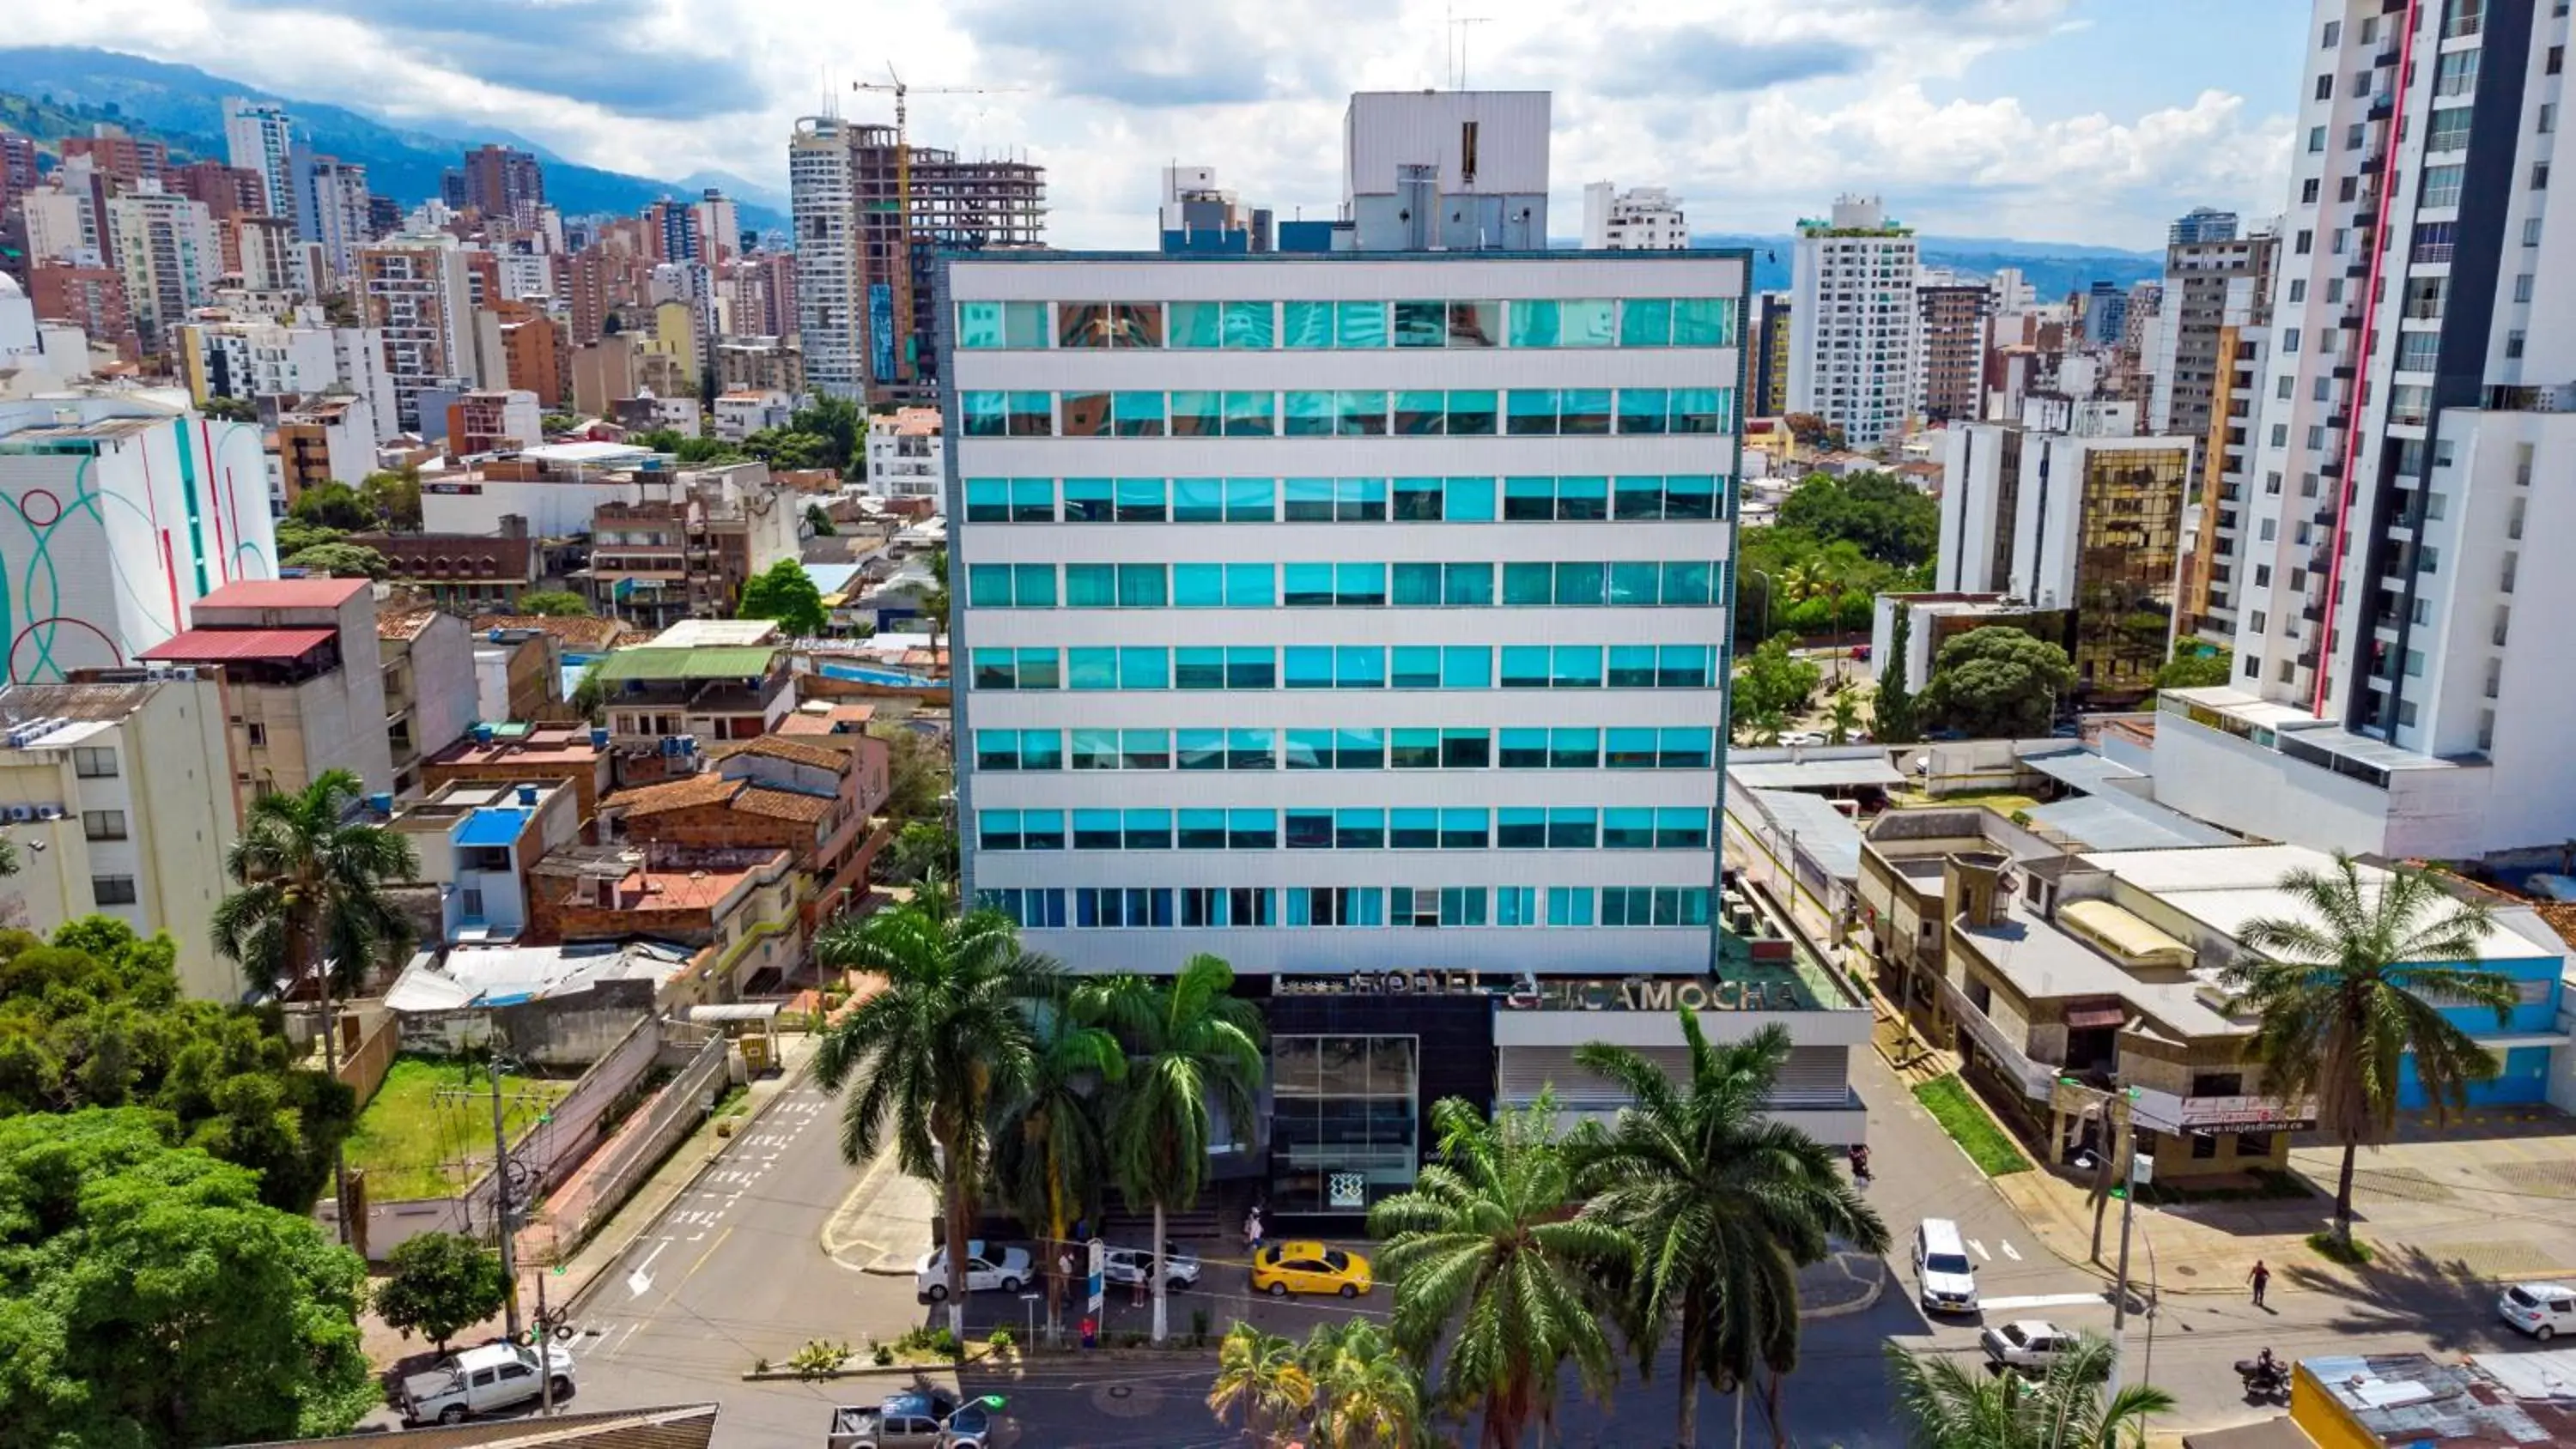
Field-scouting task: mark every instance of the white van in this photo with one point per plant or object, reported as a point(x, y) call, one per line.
point(1945, 1279)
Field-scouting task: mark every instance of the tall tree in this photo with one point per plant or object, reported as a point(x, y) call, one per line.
point(309, 906)
point(1724, 1205)
point(440, 1284)
point(1486, 1257)
point(1948, 1405)
point(554, 604)
point(1892, 710)
point(1998, 682)
point(1050, 1151)
point(931, 1054)
point(2344, 990)
point(1262, 1377)
point(786, 593)
point(1191, 1046)
point(149, 1298)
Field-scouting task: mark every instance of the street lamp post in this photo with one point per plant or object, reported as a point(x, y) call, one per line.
point(2141, 1171)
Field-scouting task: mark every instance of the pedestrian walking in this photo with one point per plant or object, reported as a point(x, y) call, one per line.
point(1252, 1232)
point(2261, 1278)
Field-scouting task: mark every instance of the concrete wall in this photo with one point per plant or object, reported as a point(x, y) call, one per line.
point(443, 683)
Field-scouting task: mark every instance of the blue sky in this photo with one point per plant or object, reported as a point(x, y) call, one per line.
point(2057, 120)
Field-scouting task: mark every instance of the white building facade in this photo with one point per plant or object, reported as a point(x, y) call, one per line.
point(828, 293)
point(1641, 219)
point(2415, 436)
point(259, 136)
point(1406, 608)
point(1855, 331)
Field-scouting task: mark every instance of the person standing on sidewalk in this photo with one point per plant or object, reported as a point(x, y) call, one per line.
point(2261, 1278)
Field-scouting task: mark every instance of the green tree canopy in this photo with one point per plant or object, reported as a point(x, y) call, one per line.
point(709, 450)
point(230, 409)
point(1894, 711)
point(660, 440)
point(554, 604)
point(917, 775)
point(341, 560)
point(334, 504)
point(1997, 682)
point(94, 1019)
point(1947, 1404)
point(441, 1284)
point(2197, 666)
point(786, 593)
point(786, 450)
point(921, 849)
point(819, 521)
point(1774, 681)
point(838, 422)
point(150, 1299)
point(294, 536)
point(394, 494)
point(1889, 519)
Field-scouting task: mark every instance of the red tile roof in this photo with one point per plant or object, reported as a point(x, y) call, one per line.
point(220, 644)
point(821, 757)
point(285, 593)
point(783, 804)
point(681, 794)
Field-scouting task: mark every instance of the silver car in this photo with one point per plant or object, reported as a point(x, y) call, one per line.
point(1130, 1265)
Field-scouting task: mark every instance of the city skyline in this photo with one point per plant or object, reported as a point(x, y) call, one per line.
point(1988, 119)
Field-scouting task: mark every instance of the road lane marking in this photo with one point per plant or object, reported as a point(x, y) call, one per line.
point(2010, 1251)
point(709, 1253)
point(657, 1252)
point(2040, 1300)
point(1979, 1245)
point(621, 1343)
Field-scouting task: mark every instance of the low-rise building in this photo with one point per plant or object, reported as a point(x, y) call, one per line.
point(494, 421)
point(741, 413)
point(518, 673)
point(740, 910)
point(462, 571)
point(429, 686)
point(904, 455)
point(303, 678)
point(702, 695)
point(320, 440)
point(560, 1005)
point(122, 805)
point(476, 843)
point(504, 752)
point(819, 800)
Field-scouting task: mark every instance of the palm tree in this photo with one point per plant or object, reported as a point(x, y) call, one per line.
point(1948, 1405)
point(1189, 1043)
point(1367, 1396)
point(2340, 994)
point(1723, 1204)
point(310, 904)
point(1842, 718)
point(1261, 1375)
point(1483, 1244)
point(1048, 1149)
point(931, 1053)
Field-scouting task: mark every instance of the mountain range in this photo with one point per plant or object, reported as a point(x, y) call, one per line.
point(51, 91)
point(2052, 269)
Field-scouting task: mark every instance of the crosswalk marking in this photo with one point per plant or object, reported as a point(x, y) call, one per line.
point(2039, 1300)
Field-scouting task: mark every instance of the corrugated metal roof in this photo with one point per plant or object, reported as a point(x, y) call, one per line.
point(2083, 769)
point(284, 594)
point(222, 644)
point(2121, 822)
point(1812, 773)
point(730, 661)
point(1825, 835)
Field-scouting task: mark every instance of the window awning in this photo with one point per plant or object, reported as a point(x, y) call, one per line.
point(2087, 1018)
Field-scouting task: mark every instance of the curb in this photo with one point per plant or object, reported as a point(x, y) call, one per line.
point(579, 1298)
point(1867, 1301)
point(833, 1244)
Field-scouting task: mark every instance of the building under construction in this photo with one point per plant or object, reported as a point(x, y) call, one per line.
point(870, 223)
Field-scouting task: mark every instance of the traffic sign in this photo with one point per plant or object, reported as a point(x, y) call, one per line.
point(1099, 1263)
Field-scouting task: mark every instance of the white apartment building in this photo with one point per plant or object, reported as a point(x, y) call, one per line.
point(121, 804)
point(2418, 422)
point(182, 508)
point(742, 413)
point(829, 296)
point(1641, 219)
point(905, 459)
point(331, 212)
point(252, 360)
point(1855, 332)
point(258, 136)
point(167, 247)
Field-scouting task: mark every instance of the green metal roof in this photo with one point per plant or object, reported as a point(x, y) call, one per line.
point(715, 661)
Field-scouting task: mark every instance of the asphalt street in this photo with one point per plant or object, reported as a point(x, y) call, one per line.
point(735, 1272)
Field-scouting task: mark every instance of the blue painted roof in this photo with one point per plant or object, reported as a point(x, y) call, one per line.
point(493, 825)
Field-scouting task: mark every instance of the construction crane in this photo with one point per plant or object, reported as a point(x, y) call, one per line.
point(902, 92)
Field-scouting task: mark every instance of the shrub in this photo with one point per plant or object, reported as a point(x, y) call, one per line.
point(999, 1340)
point(882, 1357)
point(1957, 1110)
point(2353, 1254)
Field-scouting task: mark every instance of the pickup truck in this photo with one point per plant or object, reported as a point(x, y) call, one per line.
point(481, 1380)
point(912, 1421)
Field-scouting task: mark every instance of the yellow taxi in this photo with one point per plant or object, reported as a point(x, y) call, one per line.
point(1307, 1267)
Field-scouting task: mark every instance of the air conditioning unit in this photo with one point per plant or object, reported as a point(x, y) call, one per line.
point(49, 812)
point(22, 812)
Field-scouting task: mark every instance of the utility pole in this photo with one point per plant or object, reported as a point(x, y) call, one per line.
point(503, 1222)
point(2140, 1172)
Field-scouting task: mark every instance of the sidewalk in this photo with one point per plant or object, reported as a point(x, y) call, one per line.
point(885, 1224)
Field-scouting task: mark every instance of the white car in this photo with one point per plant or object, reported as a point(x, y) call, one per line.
point(985, 1271)
point(481, 1380)
point(2028, 1344)
point(2543, 1310)
point(1130, 1265)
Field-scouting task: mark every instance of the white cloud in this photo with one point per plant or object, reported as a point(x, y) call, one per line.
point(1755, 111)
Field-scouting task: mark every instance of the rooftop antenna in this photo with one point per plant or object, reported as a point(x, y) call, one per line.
point(1459, 24)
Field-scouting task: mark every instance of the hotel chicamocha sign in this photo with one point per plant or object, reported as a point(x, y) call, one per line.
point(1528, 991)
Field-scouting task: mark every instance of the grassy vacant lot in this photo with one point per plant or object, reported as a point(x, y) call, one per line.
point(425, 1136)
point(1951, 1104)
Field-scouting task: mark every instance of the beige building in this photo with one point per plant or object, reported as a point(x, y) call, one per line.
point(304, 688)
point(119, 799)
point(430, 683)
